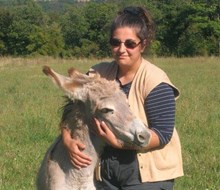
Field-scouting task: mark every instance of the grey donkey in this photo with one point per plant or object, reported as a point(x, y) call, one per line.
point(87, 97)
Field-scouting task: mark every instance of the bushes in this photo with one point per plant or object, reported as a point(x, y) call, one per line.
point(26, 32)
point(82, 29)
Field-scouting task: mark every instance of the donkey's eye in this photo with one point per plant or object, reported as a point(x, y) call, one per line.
point(106, 110)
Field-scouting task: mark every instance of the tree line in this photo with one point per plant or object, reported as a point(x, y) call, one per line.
point(72, 29)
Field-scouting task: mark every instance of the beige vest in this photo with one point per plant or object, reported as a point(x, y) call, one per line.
point(155, 165)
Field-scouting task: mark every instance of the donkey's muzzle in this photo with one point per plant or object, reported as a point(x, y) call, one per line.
point(141, 133)
point(142, 138)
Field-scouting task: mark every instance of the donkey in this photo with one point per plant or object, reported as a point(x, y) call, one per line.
point(87, 97)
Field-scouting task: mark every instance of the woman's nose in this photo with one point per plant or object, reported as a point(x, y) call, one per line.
point(122, 47)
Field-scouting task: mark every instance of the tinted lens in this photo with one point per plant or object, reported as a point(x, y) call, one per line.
point(130, 44)
point(115, 42)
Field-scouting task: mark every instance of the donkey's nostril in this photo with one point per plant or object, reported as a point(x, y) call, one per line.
point(143, 138)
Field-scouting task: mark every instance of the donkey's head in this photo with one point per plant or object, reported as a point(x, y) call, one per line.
point(104, 100)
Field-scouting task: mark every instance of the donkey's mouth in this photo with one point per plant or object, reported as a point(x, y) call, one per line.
point(131, 145)
point(137, 141)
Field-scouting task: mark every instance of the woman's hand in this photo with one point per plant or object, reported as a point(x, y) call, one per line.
point(104, 132)
point(74, 148)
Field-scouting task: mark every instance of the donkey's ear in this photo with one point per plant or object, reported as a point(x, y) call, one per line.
point(93, 73)
point(58, 79)
point(72, 88)
point(73, 73)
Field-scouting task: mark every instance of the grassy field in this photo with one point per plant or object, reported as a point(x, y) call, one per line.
point(29, 117)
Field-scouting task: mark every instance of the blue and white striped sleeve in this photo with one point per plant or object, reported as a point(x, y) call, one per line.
point(160, 110)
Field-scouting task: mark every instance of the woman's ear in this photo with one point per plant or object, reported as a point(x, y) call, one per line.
point(143, 45)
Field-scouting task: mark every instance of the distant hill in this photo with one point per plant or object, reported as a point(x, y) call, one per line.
point(19, 2)
point(47, 5)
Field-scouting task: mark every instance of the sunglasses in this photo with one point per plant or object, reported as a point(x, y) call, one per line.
point(130, 44)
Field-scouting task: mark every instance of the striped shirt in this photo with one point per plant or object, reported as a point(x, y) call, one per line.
point(160, 110)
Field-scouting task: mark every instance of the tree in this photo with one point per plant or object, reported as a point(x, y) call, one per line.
point(25, 20)
point(99, 16)
point(189, 29)
point(85, 29)
point(27, 31)
point(202, 33)
point(74, 27)
point(183, 28)
point(46, 41)
point(5, 22)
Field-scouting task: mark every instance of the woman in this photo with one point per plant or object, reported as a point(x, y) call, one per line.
point(151, 97)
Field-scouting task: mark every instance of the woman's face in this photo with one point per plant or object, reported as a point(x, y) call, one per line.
point(126, 56)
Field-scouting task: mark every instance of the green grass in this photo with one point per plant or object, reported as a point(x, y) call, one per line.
point(29, 117)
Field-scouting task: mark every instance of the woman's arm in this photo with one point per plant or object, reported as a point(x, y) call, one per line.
point(74, 148)
point(160, 109)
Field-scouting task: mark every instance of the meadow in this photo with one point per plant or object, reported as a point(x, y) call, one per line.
point(30, 113)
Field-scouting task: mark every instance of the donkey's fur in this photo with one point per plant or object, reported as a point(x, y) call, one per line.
point(88, 97)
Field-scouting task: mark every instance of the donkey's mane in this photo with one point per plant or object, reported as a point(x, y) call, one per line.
point(97, 88)
point(70, 106)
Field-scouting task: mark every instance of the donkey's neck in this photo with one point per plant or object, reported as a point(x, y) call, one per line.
point(93, 144)
point(77, 117)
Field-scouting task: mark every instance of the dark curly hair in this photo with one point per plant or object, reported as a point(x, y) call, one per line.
point(137, 18)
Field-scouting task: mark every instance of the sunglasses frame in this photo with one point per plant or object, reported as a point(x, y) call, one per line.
point(130, 44)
